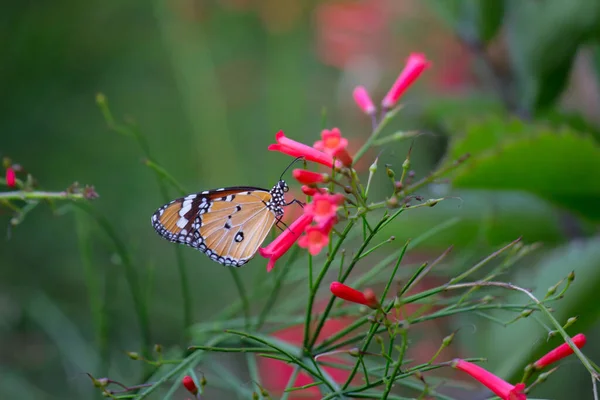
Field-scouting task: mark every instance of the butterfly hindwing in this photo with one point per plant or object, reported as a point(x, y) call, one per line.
point(228, 224)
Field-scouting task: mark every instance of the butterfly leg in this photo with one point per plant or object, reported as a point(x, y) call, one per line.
point(301, 204)
point(279, 221)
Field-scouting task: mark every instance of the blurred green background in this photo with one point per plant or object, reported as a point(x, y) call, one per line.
point(209, 83)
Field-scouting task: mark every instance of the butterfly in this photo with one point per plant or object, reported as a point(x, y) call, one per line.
point(227, 224)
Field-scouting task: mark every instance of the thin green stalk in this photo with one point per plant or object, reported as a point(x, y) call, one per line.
point(233, 349)
point(377, 246)
point(242, 293)
point(394, 271)
point(253, 371)
point(139, 302)
point(274, 292)
point(433, 176)
point(161, 176)
point(315, 287)
point(344, 277)
point(294, 359)
point(190, 362)
point(290, 383)
point(98, 304)
point(390, 382)
point(423, 271)
point(586, 363)
point(165, 176)
point(376, 132)
point(41, 195)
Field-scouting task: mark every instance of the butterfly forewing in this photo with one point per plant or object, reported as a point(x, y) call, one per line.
point(227, 224)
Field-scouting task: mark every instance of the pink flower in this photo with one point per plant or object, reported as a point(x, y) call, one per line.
point(560, 352)
point(334, 144)
point(347, 293)
point(323, 208)
point(315, 238)
point(499, 386)
point(416, 64)
point(189, 384)
point(10, 177)
point(308, 177)
point(363, 100)
point(297, 149)
point(285, 240)
point(311, 191)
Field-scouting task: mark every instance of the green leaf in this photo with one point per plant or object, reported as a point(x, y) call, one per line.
point(481, 19)
point(561, 167)
point(543, 37)
point(473, 19)
point(526, 340)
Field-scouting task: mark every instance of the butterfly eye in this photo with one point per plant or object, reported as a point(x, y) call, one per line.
point(283, 186)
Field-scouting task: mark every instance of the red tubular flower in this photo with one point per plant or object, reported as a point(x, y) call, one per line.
point(560, 352)
point(363, 100)
point(308, 177)
point(345, 292)
point(315, 238)
point(323, 207)
point(499, 386)
point(297, 149)
point(311, 191)
point(286, 239)
point(10, 177)
point(189, 384)
point(334, 144)
point(416, 64)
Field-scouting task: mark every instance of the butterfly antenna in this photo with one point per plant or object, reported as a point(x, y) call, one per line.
point(288, 167)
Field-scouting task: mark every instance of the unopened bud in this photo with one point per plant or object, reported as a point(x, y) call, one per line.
point(448, 339)
point(373, 167)
point(355, 352)
point(570, 322)
point(552, 290)
point(389, 171)
point(398, 186)
point(392, 202)
point(347, 189)
point(571, 276)
point(133, 355)
point(158, 348)
point(526, 313)
point(487, 299)
point(406, 164)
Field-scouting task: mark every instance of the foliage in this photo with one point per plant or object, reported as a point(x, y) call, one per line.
point(469, 190)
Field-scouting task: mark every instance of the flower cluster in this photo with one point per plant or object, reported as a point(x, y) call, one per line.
point(312, 229)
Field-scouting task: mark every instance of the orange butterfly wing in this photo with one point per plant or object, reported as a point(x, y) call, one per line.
point(228, 225)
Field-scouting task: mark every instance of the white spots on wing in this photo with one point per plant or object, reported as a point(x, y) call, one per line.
point(187, 205)
point(182, 222)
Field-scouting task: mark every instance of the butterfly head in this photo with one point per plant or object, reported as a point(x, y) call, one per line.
point(283, 186)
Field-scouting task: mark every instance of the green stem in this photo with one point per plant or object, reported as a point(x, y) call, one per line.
point(130, 274)
point(344, 277)
point(242, 293)
point(315, 287)
point(40, 195)
point(376, 132)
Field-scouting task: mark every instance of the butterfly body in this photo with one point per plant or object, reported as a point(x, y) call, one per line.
point(227, 224)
